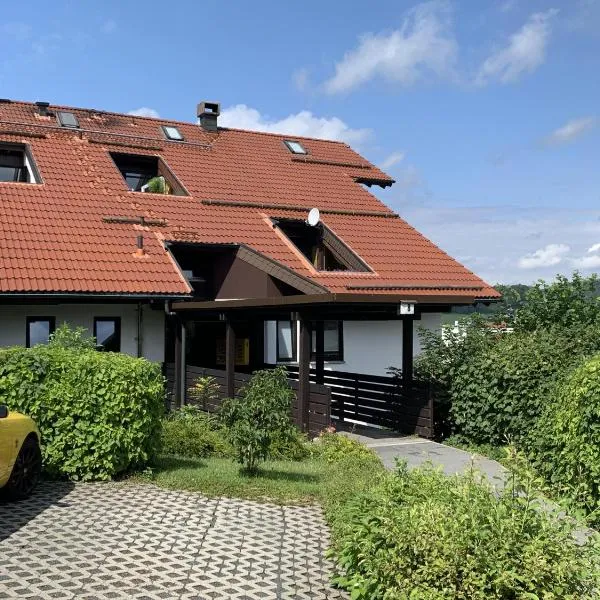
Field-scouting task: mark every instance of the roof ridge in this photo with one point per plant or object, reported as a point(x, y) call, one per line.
point(178, 122)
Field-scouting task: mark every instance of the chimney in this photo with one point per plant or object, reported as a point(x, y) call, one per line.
point(207, 113)
point(139, 251)
point(43, 108)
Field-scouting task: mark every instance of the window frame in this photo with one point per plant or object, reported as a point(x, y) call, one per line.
point(294, 330)
point(117, 322)
point(337, 356)
point(32, 319)
point(165, 129)
point(288, 144)
point(64, 124)
point(29, 164)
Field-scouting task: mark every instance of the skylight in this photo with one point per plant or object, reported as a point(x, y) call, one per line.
point(67, 119)
point(172, 132)
point(295, 147)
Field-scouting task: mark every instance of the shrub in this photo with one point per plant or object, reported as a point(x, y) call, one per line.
point(192, 433)
point(98, 413)
point(566, 442)
point(204, 392)
point(76, 338)
point(334, 447)
point(259, 416)
point(420, 535)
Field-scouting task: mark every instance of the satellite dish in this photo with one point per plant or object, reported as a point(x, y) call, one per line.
point(313, 217)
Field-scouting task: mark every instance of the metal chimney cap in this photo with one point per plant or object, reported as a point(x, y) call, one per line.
point(208, 108)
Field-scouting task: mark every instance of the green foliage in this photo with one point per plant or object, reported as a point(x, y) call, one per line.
point(76, 338)
point(98, 413)
point(204, 391)
point(334, 447)
point(259, 416)
point(562, 303)
point(566, 442)
point(420, 535)
point(192, 433)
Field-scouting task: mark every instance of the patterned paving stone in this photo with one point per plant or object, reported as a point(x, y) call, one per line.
point(119, 541)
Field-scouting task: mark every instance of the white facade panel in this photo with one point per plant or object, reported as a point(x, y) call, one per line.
point(13, 324)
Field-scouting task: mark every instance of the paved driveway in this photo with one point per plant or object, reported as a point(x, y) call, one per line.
point(117, 541)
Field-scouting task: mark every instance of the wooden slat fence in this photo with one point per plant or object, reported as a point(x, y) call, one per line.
point(379, 400)
point(319, 405)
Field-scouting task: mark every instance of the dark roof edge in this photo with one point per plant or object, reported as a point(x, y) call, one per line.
point(87, 295)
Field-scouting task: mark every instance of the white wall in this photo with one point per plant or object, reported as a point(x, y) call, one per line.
point(13, 324)
point(370, 347)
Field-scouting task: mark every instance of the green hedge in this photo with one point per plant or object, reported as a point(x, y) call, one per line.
point(566, 443)
point(421, 535)
point(98, 413)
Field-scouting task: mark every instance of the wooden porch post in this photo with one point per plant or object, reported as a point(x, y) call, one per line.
point(407, 350)
point(229, 357)
point(178, 366)
point(304, 372)
point(320, 351)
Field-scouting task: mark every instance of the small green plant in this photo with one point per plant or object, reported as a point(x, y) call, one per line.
point(334, 447)
point(204, 392)
point(192, 433)
point(75, 338)
point(420, 535)
point(258, 417)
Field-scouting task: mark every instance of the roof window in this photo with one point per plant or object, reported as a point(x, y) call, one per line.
point(143, 173)
point(172, 133)
point(324, 250)
point(16, 164)
point(295, 147)
point(67, 119)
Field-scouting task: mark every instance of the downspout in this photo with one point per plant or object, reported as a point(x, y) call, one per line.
point(140, 323)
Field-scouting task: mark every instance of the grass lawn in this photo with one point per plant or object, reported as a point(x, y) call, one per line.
point(309, 481)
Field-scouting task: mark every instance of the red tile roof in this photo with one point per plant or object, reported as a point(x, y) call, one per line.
point(53, 237)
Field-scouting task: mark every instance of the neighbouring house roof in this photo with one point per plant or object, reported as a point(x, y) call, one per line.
point(60, 236)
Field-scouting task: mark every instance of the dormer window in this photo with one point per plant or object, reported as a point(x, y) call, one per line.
point(323, 249)
point(295, 147)
point(16, 164)
point(172, 133)
point(143, 173)
point(67, 119)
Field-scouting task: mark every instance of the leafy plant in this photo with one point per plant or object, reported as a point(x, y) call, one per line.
point(192, 433)
point(204, 391)
point(334, 447)
point(422, 535)
point(158, 185)
point(566, 442)
point(259, 416)
point(75, 338)
point(99, 413)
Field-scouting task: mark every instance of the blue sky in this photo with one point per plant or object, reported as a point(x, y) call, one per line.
point(486, 113)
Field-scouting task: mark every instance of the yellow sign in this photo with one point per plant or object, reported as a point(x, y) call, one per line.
point(242, 352)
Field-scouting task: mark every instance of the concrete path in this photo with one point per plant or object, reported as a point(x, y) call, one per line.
point(124, 541)
point(417, 451)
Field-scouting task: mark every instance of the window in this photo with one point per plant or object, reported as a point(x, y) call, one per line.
point(286, 341)
point(172, 132)
point(324, 250)
point(67, 119)
point(333, 341)
point(16, 164)
point(295, 147)
point(38, 330)
point(143, 173)
point(107, 331)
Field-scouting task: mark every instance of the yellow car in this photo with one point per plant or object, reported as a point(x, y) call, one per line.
point(20, 455)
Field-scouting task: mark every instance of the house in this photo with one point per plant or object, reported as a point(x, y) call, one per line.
point(193, 244)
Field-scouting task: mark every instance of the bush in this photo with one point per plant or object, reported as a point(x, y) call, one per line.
point(420, 535)
point(98, 413)
point(259, 416)
point(566, 442)
point(333, 448)
point(204, 391)
point(192, 433)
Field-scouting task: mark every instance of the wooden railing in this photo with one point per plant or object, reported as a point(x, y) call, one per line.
point(319, 405)
point(379, 400)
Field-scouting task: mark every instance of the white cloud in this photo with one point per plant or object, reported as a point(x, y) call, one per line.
point(594, 248)
point(587, 262)
point(550, 255)
point(393, 159)
point(303, 123)
point(424, 43)
point(571, 130)
point(301, 79)
point(524, 53)
point(144, 111)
